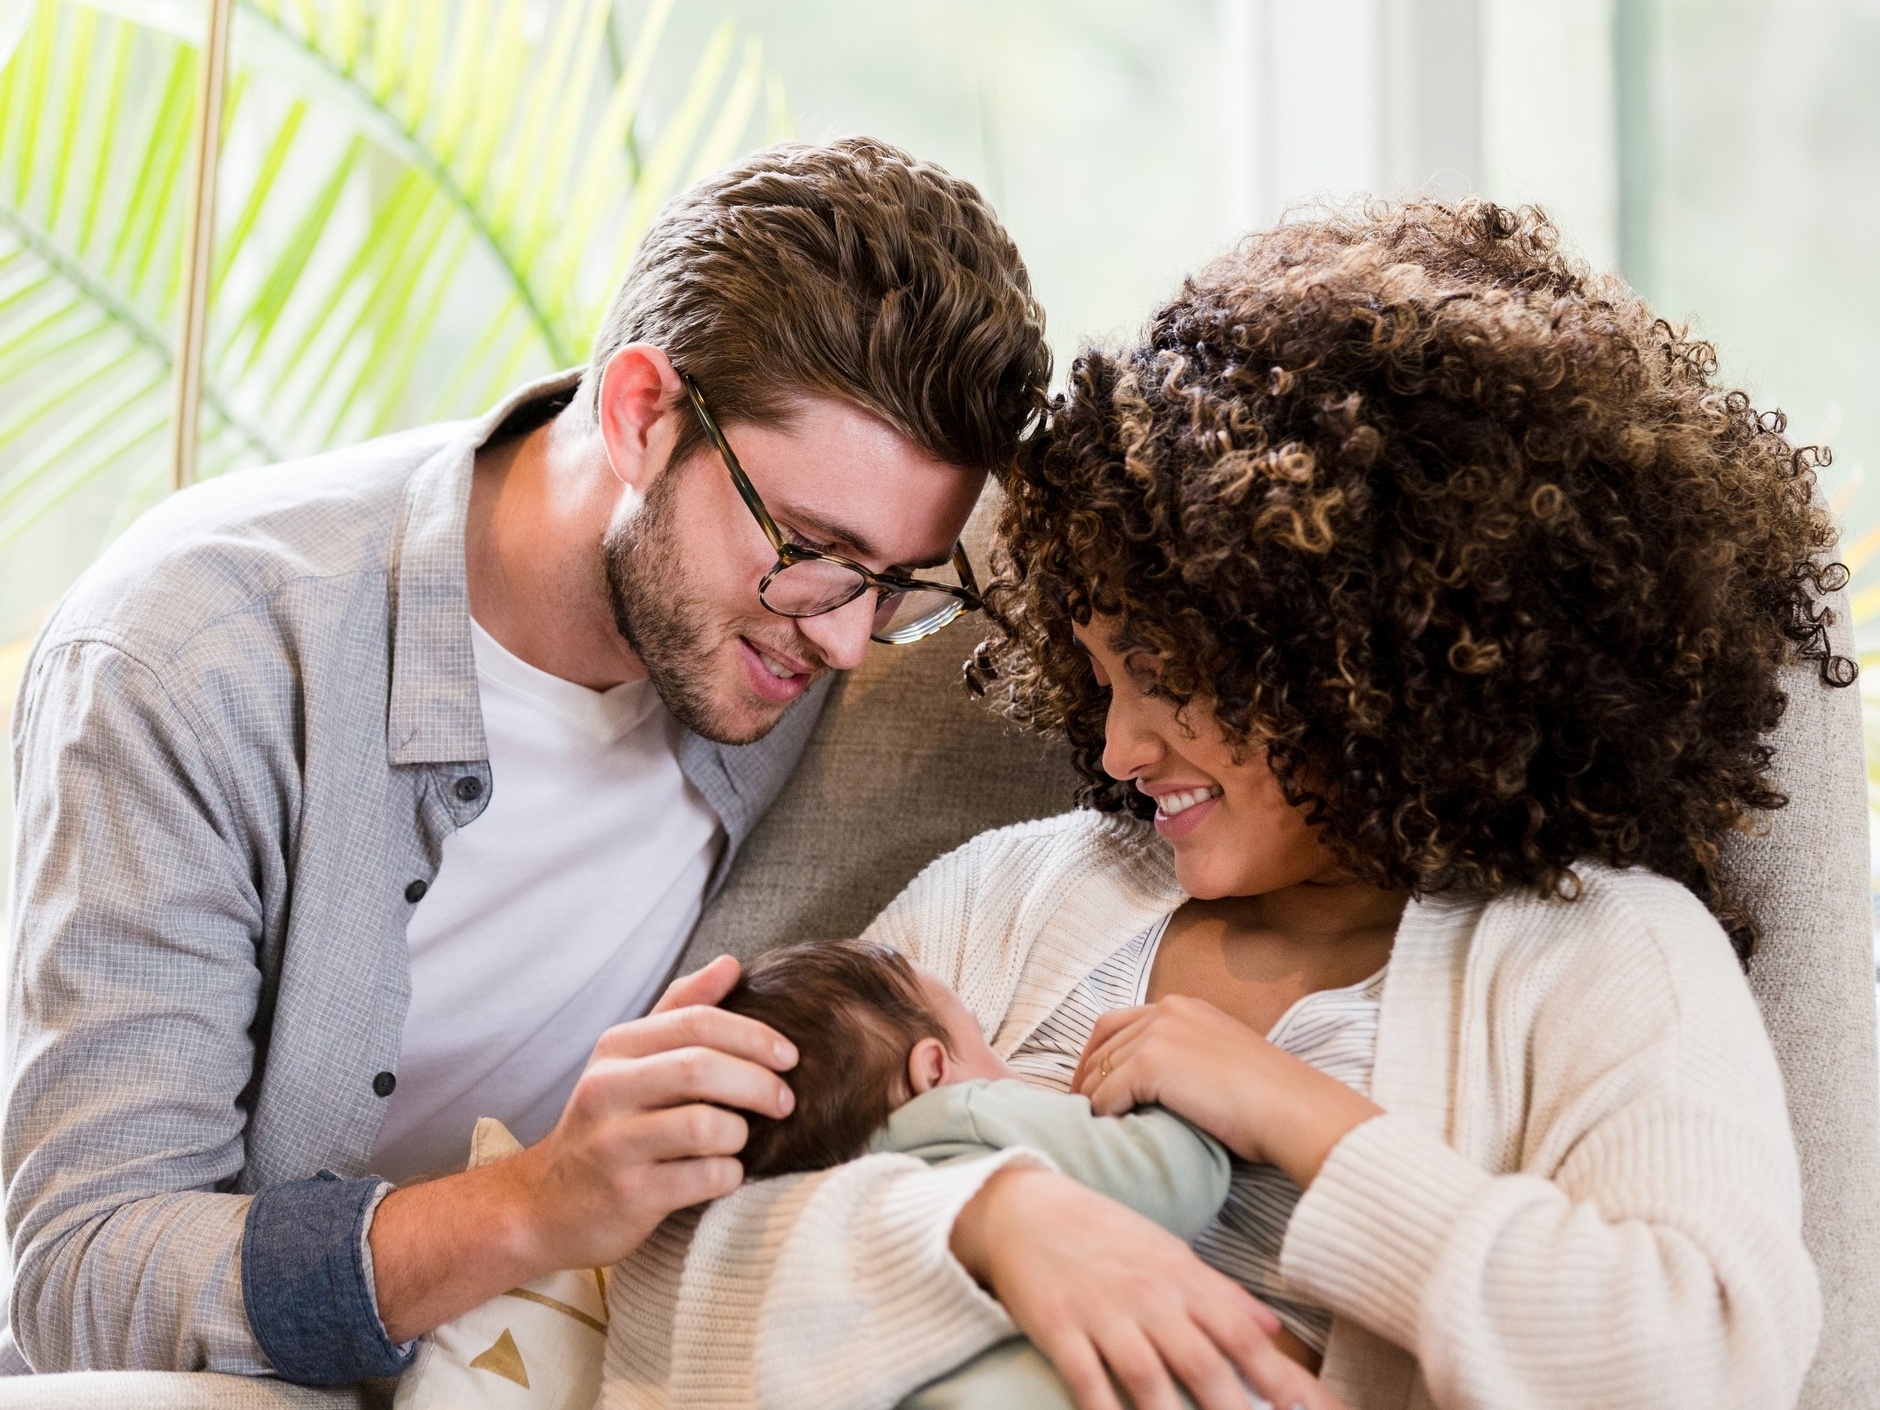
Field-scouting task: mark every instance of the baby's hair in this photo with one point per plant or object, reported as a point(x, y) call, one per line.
point(854, 1010)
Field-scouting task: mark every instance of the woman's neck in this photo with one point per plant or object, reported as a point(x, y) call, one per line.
point(1255, 956)
point(1317, 914)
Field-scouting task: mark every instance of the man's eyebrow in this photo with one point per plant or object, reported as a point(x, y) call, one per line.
point(857, 543)
point(835, 535)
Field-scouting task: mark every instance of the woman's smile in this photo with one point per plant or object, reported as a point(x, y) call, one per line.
point(1183, 808)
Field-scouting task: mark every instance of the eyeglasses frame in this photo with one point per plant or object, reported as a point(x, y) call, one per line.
point(789, 554)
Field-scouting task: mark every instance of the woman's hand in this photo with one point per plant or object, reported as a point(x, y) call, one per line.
point(1103, 1292)
point(1261, 1103)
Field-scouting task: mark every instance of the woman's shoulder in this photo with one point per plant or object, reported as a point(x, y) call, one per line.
point(1606, 907)
point(1079, 841)
point(1622, 940)
point(1003, 889)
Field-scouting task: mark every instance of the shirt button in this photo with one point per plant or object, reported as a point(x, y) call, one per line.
point(414, 893)
point(469, 788)
point(383, 1084)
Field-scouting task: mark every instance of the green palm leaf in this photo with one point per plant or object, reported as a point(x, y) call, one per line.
point(420, 202)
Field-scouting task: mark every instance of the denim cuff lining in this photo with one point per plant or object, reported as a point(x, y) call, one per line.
point(306, 1287)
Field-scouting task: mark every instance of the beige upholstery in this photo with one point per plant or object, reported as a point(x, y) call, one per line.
point(164, 1390)
point(904, 766)
point(1808, 884)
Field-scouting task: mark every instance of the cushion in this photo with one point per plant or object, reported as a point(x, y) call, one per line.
point(181, 1390)
point(536, 1347)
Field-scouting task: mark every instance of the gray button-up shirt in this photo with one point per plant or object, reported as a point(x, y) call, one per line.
point(239, 740)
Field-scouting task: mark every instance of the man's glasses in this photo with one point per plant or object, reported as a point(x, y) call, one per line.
point(807, 583)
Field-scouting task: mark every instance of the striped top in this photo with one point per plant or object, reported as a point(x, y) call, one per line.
point(1334, 1029)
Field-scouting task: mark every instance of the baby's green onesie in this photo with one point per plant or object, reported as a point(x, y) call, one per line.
point(1151, 1160)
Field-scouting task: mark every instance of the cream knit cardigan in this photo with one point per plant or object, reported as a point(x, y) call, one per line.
point(1584, 1191)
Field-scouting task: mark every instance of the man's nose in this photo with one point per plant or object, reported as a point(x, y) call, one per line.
point(842, 635)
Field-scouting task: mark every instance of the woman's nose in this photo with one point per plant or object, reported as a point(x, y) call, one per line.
point(1129, 745)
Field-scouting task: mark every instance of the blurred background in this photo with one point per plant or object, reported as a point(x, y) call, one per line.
point(422, 202)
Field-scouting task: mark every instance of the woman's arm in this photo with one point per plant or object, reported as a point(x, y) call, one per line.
point(1617, 1281)
point(852, 1287)
point(1647, 1252)
point(1106, 1294)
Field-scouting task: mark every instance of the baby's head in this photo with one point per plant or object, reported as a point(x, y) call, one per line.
point(872, 1031)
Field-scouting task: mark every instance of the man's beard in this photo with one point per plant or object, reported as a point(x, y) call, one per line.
point(648, 588)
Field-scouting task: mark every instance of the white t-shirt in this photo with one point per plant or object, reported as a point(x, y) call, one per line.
point(554, 915)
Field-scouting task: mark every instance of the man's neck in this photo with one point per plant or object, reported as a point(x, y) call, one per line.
point(539, 506)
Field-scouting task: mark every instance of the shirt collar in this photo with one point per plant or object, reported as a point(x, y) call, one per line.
point(435, 715)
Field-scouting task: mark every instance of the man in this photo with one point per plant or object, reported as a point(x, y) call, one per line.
point(357, 798)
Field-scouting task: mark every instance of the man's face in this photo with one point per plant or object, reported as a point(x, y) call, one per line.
point(684, 562)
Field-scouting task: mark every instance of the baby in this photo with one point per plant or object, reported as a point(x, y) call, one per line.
point(890, 1059)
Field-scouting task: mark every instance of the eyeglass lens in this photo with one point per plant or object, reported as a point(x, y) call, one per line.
point(814, 586)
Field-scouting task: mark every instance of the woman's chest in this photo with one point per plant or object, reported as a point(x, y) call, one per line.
point(1254, 977)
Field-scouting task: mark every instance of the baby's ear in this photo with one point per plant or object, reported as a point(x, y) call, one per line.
point(927, 1064)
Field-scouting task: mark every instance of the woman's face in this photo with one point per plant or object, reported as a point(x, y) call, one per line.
point(1233, 832)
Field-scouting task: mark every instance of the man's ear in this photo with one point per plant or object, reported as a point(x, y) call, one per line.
point(927, 1065)
point(639, 386)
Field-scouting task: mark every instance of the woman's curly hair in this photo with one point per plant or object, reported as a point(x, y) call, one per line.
point(1459, 533)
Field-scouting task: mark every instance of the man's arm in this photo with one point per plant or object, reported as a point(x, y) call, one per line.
point(130, 995)
point(130, 1000)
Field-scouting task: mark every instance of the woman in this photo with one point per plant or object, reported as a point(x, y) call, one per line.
point(1426, 597)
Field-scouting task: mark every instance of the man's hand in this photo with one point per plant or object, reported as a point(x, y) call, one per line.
point(1105, 1293)
point(649, 1129)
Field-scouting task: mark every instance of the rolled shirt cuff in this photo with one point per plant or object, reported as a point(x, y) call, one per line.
point(307, 1282)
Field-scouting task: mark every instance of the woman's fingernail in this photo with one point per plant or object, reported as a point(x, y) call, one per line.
point(786, 1102)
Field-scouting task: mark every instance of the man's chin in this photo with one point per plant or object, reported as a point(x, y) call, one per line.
point(734, 708)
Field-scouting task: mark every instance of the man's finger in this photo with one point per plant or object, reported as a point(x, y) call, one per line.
point(698, 1026)
point(702, 986)
point(613, 1087)
point(680, 1184)
point(679, 1133)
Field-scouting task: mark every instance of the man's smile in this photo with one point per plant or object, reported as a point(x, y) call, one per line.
point(774, 676)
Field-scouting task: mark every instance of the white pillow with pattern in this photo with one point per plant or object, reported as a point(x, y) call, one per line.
point(537, 1347)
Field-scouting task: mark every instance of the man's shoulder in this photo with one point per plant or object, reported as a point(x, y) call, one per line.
point(229, 546)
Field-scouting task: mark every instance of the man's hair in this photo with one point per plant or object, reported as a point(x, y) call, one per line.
point(854, 1010)
point(1473, 548)
point(851, 271)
